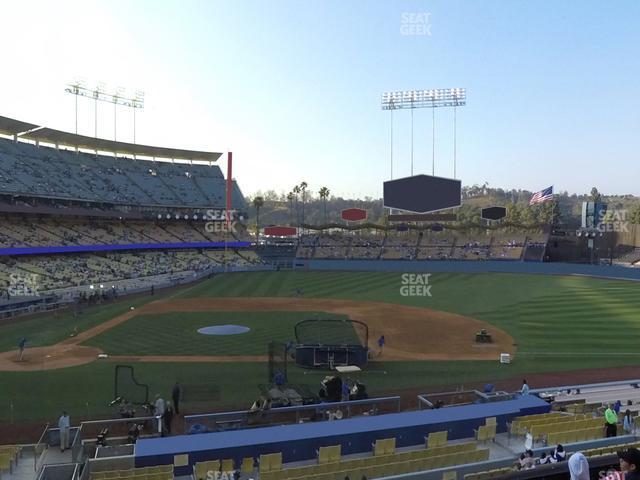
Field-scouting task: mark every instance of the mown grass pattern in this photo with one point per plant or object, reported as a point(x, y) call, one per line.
point(176, 333)
point(559, 324)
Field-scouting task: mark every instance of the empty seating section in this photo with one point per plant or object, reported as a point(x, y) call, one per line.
point(329, 454)
point(437, 439)
point(306, 246)
point(486, 432)
point(162, 472)
point(51, 272)
point(578, 435)
point(47, 172)
point(520, 425)
point(385, 446)
point(385, 461)
point(271, 462)
point(488, 474)
point(561, 425)
point(9, 455)
point(410, 246)
point(554, 428)
point(43, 232)
point(365, 247)
point(400, 246)
point(594, 452)
point(332, 246)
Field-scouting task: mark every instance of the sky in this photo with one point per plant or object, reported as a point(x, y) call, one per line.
point(293, 88)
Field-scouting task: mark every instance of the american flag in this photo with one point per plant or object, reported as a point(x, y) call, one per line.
point(542, 196)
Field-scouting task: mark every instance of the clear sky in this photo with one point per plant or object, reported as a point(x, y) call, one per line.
point(293, 87)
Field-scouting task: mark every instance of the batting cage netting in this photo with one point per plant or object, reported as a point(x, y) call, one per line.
point(127, 387)
point(329, 343)
point(332, 331)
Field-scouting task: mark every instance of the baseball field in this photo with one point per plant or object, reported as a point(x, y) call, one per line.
point(558, 329)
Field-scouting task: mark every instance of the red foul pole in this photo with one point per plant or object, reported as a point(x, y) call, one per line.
point(229, 187)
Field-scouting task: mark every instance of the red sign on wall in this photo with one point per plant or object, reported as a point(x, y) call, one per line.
point(354, 214)
point(280, 231)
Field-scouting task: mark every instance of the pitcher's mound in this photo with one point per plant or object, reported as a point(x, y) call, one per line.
point(48, 358)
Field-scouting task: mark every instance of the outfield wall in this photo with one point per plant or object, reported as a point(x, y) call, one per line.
point(625, 273)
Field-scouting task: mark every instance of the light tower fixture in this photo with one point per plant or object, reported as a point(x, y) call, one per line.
point(117, 96)
point(433, 98)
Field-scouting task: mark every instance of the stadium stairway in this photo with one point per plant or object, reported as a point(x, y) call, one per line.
point(25, 467)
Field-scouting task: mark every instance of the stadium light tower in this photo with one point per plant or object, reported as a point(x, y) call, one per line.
point(434, 98)
point(117, 97)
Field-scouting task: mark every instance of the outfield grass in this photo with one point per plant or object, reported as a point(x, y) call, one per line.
point(176, 333)
point(559, 324)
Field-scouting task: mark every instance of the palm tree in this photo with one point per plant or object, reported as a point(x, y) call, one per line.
point(258, 202)
point(290, 198)
point(324, 194)
point(303, 189)
point(296, 192)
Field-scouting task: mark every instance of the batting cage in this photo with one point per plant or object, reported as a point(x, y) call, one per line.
point(329, 343)
point(127, 387)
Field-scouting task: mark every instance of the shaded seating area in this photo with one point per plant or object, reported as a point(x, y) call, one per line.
point(384, 461)
point(162, 472)
point(9, 455)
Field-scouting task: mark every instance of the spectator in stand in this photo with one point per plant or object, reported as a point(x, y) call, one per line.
point(544, 459)
point(627, 422)
point(525, 461)
point(630, 463)
point(578, 467)
point(559, 455)
point(610, 422)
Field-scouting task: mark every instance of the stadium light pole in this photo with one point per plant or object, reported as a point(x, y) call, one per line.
point(391, 107)
point(117, 97)
point(412, 98)
point(434, 98)
point(391, 144)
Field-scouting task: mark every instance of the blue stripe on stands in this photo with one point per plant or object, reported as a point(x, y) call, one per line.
point(300, 441)
point(107, 248)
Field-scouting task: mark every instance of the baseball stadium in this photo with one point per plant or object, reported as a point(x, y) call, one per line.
point(125, 278)
point(160, 322)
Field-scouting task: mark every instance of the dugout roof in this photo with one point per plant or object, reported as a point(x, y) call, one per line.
point(33, 132)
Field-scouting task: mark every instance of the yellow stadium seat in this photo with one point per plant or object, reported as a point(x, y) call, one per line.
point(450, 475)
point(227, 465)
point(5, 461)
point(437, 439)
point(247, 465)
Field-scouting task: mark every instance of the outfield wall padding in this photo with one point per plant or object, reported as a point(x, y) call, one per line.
point(426, 266)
